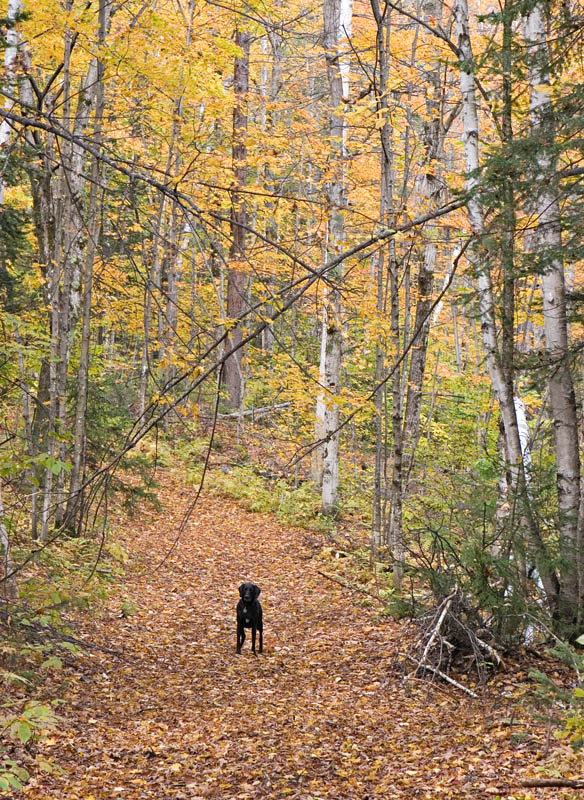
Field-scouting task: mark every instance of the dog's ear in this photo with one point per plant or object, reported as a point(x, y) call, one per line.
point(241, 589)
point(257, 591)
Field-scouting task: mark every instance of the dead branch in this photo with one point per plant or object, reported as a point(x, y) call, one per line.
point(436, 631)
point(491, 651)
point(445, 677)
point(559, 783)
point(448, 632)
point(255, 413)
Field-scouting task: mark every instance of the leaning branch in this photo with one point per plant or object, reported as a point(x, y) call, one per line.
point(255, 413)
point(186, 202)
point(447, 603)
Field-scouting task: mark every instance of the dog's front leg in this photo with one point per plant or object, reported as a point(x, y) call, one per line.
point(240, 637)
point(261, 638)
point(253, 638)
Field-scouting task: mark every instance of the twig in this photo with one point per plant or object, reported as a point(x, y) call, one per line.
point(490, 650)
point(445, 677)
point(565, 783)
point(436, 631)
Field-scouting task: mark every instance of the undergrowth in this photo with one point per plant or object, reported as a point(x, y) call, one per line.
point(295, 506)
point(36, 640)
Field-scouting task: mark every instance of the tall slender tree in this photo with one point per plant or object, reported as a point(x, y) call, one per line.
point(233, 374)
point(548, 244)
point(337, 16)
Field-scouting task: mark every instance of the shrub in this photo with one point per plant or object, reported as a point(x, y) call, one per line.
point(561, 706)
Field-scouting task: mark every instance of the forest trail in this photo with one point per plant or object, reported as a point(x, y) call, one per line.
point(319, 715)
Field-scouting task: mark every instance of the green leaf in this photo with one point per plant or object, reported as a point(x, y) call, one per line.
point(24, 731)
point(21, 773)
point(72, 648)
point(578, 692)
point(38, 711)
point(13, 780)
point(52, 661)
point(580, 639)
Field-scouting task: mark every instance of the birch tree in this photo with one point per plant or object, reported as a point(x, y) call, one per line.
point(233, 374)
point(92, 223)
point(11, 52)
point(548, 244)
point(501, 377)
point(337, 17)
point(8, 584)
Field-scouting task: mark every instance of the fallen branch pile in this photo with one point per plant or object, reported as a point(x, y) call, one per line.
point(450, 634)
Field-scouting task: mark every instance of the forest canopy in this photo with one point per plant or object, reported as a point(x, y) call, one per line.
point(344, 236)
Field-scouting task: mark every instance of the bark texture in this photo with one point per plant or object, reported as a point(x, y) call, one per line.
point(499, 373)
point(548, 245)
point(233, 374)
point(337, 16)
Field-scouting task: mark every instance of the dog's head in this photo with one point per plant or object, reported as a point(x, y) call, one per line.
point(249, 592)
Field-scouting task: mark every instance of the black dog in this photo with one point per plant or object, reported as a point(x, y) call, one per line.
point(249, 615)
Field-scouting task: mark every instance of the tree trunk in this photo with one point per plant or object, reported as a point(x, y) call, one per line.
point(93, 227)
point(431, 188)
point(380, 475)
point(337, 17)
point(8, 585)
point(29, 435)
point(480, 261)
point(548, 245)
point(233, 375)
point(175, 235)
point(393, 531)
point(15, 8)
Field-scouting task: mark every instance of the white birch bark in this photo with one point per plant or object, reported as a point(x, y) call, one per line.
point(523, 434)
point(93, 225)
point(337, 15)
point(8, 585)
point(548, 243)
point(319, 428)
point(479, 260)
point(15, 7)
point(502, 387)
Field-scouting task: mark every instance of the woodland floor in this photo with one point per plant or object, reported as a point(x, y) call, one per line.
point(321, 714)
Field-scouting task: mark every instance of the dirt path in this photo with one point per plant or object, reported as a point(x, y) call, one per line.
point(319, 715)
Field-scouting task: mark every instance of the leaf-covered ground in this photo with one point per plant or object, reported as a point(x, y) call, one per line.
point(321, 714)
